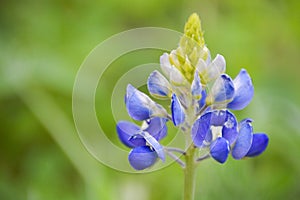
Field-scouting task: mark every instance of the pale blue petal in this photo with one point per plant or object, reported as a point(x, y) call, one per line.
point(219, 149)
point(196, 87)
point(244, 91)
point(244, 140)
point(222, 90)
point(154, 144)
point(140, 106)
point(142, 157)
point(259, 144)
point(127, 131)
point(178, 115)
point(158, 85)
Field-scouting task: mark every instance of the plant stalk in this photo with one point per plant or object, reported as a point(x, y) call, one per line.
point(189, 174)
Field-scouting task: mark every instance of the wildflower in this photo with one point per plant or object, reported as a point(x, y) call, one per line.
point(201, 96)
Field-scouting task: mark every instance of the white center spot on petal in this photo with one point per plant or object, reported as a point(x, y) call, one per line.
point(229, 123)
point(216, 132)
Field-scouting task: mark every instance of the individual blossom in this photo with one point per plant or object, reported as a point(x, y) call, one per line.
point(144, 141)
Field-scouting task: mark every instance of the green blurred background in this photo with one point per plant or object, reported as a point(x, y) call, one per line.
point(42, 45)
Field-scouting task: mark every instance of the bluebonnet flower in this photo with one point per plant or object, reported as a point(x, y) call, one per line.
point(201, 96)
point(143, 141)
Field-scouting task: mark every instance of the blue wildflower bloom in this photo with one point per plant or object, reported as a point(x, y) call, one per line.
point(201, 96)
point(230, 136)
point(218, 130)
point(143, 141)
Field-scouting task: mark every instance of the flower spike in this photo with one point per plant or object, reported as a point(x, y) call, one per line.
point(202, 96)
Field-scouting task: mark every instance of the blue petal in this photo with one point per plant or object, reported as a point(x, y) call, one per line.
point(222, 90)
point(259, 144)
point(217, 117)
point(219, 149)
point(154, 144)
point(200, 130)
point(243, 91)
point(178, 115)
point(126, 131)
point(157, 128)
point(158, 85)
point(140, 106)
point(229, 130)
point(244, 140)
point(201, 102)
point(196, 86)
point(142, 157)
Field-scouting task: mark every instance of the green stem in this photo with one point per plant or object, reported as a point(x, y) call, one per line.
point(189, 174)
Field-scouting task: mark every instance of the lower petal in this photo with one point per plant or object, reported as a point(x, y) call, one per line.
point(259, 144)
point(219, 150)
point(244, 140)
point(142, 157)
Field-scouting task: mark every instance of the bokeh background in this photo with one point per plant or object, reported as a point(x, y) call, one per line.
point(42, 45)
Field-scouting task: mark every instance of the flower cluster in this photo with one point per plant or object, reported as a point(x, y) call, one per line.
point(201, 96)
